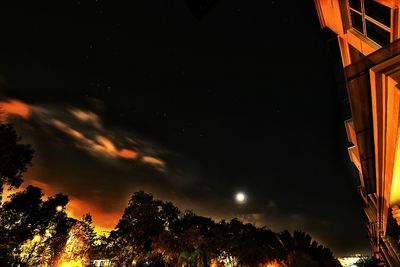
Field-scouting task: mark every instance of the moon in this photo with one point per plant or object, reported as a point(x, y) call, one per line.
point(240, 197)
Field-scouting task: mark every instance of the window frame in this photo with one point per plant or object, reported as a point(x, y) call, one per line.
point(366, 18)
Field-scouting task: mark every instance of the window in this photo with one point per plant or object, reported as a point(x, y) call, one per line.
point(371, 19)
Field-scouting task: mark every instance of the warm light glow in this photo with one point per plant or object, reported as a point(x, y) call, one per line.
point(395, 189)
point(87, 116)
point(214, 263)
point(103, 221)
point(37, 238)
point(71, 264)
point(59, 208)
point(273, 264)
point(75, 252)
point(240, 197)
point(15, 107)
point(154, 161)
point(349, 261)
point(127, 154)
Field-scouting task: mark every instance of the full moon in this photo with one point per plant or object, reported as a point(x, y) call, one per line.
point(240, 197)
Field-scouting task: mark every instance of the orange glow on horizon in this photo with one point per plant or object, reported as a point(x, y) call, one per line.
point(14, 107)
point(103, 222)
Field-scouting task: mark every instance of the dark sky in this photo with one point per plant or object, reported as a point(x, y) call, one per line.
point(148, 96)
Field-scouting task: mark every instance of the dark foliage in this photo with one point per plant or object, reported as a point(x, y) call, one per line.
point(14, 157)
point(150, 228)
point(26, 215)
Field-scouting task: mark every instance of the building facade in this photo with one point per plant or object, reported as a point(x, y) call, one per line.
point(368, 36)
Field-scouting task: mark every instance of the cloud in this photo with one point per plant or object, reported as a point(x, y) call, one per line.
point(14, 107)
point(154, 161)
point(68, 130)
point(127, 153)
point(96, 165)
point(107, 147)
point(85, 129)
point(87, 116)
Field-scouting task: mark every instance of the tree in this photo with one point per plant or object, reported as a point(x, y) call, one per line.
point(258, 243)
point(79, 243)
point(300, 250)
point(31, 226)
point(141, 224)
point(14, 158)
point(156, 233)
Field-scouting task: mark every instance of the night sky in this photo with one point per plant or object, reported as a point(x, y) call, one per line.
point(191, 105)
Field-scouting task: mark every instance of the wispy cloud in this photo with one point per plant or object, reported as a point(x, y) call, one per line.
point(13, 107)
point(87, 116)
point(85, 129)
point(154, 161)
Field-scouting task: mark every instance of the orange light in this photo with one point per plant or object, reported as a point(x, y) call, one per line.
point(59, 208)
point(214, 263)
point(274, 263)
point(16, 108)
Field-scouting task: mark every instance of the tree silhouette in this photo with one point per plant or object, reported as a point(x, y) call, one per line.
point(300, 250)
point(141, 223)
point(25, 216)
point(14, 158)
point(151, 228)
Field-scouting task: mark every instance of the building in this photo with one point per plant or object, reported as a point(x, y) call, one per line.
point(367, 34)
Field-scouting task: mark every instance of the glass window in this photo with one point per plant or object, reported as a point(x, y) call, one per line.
point(356, 21)
point(377, 11)
point(371, 19)
point(356, 4)
point(377, 34)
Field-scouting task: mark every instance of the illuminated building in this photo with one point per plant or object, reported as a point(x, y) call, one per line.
point(349, 261)
point(367, 35)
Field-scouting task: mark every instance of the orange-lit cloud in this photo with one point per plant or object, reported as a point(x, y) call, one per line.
point(14, 107)
point(86, 130)
point(87, 116)
point(67, 129)
point(107, 147)
point(127, 154)
point(100, 144)
point(154, 161)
